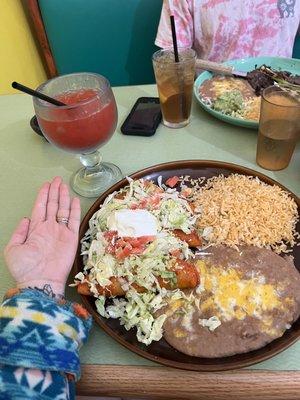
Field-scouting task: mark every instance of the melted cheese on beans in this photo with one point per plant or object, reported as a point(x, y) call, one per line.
point(231, 296)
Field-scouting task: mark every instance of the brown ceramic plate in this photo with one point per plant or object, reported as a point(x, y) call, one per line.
point(161, 351)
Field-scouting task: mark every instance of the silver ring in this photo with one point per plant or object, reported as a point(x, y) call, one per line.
point(62, 220)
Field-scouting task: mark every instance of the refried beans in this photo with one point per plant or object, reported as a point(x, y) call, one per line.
point(246, 299)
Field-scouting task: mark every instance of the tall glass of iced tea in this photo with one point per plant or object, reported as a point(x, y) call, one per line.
point(175, 82)
point(279, 128)
point(85, 123)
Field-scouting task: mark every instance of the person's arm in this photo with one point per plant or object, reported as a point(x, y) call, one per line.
point(40, 332)
point(183, 16)
point(40, 337)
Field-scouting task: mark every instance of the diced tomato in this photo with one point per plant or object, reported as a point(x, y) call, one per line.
point(125, 246)
point(121, 242)
point(186, 192)
point(143, 203)
point(110, 249)
point(123, 252)
point(148, 203)
point(172, 182)
point(133, 241)
point(154, 201)
point(109, 235)
point(146, 239)
point(137, 241)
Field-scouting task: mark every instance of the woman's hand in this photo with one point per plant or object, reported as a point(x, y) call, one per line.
point(41, 250)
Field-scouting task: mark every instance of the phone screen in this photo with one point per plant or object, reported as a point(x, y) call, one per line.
point(144, 116)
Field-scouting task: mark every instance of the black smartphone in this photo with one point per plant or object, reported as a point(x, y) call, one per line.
point(144, 117)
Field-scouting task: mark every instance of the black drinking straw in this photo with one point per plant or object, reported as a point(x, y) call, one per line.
point(174, 37)
point(34, 93)
point(179, 75)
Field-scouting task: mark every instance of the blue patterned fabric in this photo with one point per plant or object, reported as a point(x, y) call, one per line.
point(17, 383)
point(39, 343)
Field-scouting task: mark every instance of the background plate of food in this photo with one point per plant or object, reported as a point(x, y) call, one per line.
point(233, 99)
point(194, 264)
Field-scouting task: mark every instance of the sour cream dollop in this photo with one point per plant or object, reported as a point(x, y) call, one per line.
point(132, 223)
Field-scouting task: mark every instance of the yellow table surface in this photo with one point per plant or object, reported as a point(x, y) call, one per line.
point(27, 161)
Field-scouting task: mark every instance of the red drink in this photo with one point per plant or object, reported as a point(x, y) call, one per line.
point(84, 127)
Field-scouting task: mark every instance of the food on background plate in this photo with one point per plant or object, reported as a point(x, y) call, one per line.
point(246, 299)
point(143, 254)
point(241, 98)
point(232, 103)
point(265, 76)
point(231, 96)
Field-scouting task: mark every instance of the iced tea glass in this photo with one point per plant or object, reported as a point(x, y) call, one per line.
point(279, 128)
point(175, 82)
point(85, 123)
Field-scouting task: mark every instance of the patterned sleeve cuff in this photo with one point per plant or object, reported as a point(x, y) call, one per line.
point(37, 331)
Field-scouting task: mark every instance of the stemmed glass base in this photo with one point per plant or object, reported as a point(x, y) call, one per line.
point(95, 177)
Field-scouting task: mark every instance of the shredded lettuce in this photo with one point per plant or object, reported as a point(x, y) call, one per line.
point(138, 310)
point(174, 214)
point(100, 305)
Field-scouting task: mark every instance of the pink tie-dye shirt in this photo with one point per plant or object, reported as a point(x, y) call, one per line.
point(221, 30)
